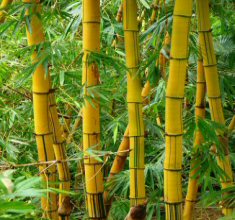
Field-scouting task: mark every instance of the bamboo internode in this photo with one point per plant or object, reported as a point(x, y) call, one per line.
point(134, 100)
point(91, 110)
point(65, 208)
point(200, 112)
point(41, 91)
point(213, 90)
point(120, 159)
point(174, 101)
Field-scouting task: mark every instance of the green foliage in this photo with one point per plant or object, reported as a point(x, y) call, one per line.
point(18, 196)
point(62, 57)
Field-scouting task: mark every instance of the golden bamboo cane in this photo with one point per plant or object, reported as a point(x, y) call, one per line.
point(76, 125)
point(232, 124)
point(41, 87)
point(119, 14)
point(117, 166)
point(174, 101)
point(200, 111)
point(65, 207)
point(163, 59)
point(4, 4)
point(91, 111)
point(213, 90)
point(134, 100)
point(155, 7)
point(120, 159)
point(67, 121)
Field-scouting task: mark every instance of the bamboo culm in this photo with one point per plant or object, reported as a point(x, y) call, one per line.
point(231, 126)
point(3, 6)
point(65, 206)
point(134, 101)
point(200, 111)
point(174, 101)
point(91, 111)
point(213, 91)
point(120, 159)
point(41, 92)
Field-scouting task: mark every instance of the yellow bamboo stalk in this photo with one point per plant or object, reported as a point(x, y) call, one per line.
point(163, 59)
point(232, 124)
point(146, 90)
point(213, 90)
point(174, 101)
point(76, 125)
point(134, 100)
point(4, 4)
point(67, 121)
point(155, 7)
point(65, 207)
point(120, 159)
point(117, 166)
point(91, 111)
point(41, 87)
point(119, 14)
point(200, 112)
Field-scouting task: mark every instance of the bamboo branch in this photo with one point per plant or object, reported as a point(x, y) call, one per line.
point(108, 154)
point(231, 126)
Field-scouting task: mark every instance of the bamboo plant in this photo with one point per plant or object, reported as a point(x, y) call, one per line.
point(3, 6)
point(200, 111)
point(155, 6)
point(119, 161)
point(119, 14)
point(174, 101)
point(91, 111)
point(163, 57)
point(41, 91)
point(134, 100)
point(213, 90)
point(232, 124)
point(64, 208)
point(120, 158)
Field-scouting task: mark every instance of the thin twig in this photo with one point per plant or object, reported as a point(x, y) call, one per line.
point(53, 162)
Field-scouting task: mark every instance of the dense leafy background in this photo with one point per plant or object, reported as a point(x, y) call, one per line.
point(62, 24)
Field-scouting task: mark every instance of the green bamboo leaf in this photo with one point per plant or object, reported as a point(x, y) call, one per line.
point(145, 4)
point(62, 78)
point(115, 133)
point(16, 207)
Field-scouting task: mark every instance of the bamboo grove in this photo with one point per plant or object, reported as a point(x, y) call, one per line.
point(135, 121)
